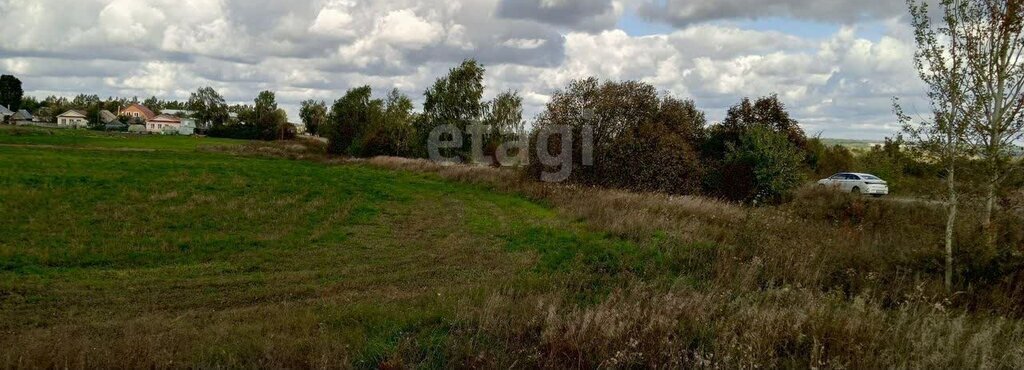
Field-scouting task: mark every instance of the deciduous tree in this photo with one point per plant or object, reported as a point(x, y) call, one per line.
point(267, 118)
point(208, 108)
point(10, 92)
point(991, 39)
point(313, 114)
point(349, 116)
point(455, 99)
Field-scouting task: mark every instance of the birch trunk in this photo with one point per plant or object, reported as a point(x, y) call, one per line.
point(952, 207)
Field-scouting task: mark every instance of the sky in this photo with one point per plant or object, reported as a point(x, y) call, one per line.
point(837, 64)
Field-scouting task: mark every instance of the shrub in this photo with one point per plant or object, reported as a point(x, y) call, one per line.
point(234, 131)
point(826, 160)
point(763, 168)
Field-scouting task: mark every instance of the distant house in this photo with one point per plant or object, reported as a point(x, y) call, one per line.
point(111, 122)
point(163, 124)
point(188, 123)
point(107, 116)
point(73, 119)
point(22, 117)
point(5, 113)
point(139, 111)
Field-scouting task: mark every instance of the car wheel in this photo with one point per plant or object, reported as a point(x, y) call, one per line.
point(855, 191)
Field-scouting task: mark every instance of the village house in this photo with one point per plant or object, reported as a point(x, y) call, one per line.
point(107, 116)
point(4, 114)
point(163, 124)
point(111, 122)
point(188, 124)
point(73, 119)
point(22, 117)
point(139, 111)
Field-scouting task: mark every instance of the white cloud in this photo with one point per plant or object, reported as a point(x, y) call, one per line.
point(334, 20)
point(127, 21)
point(524, 43)
point(403, 28)
point(841, 83)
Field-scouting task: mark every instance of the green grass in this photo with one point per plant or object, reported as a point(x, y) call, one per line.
point(155, 252)
point(214, 259)
point(67, 138)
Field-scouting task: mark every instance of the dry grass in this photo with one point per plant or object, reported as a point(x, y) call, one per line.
point(726, 329)
point(828, 280)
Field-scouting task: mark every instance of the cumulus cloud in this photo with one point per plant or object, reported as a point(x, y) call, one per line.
point(404, 28)
point(840, 83)
point(334, 20)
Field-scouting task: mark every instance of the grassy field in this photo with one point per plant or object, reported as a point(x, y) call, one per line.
point(176, 256)
point(62, 138)
point(128, 252)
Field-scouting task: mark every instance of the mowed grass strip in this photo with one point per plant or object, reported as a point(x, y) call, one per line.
point(70, 139)
point(129, 259)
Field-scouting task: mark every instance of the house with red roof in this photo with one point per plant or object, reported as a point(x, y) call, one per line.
point(139, 111)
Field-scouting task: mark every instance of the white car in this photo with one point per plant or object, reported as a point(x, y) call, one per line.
point(857, 183)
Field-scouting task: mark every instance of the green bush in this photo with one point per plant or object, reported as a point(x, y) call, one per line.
point(766, 167)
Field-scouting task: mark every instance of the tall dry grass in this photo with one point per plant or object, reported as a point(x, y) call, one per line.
point(827, 280)
point(823, 239)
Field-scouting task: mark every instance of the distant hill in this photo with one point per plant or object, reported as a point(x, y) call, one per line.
point(855, 145)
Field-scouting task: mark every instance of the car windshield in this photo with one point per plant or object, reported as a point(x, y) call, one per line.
point(870, 177)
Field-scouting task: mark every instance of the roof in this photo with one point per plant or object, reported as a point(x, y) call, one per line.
point(4, 111)
point(166, 118)
point(107, 117)
point(177, 112)
point(856, 173)
point(142, 108)
point(73, 113)
point(22, 115)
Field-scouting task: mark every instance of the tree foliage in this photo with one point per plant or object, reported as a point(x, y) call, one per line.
point(360, 125)
point(11, 92)
point(990, 36)
point(455, 99)
point(639, 141)
point(208, 108)
point(763, 167)
point(746, 127)
point(313, 114)
point(349, 116)
point(266, 116)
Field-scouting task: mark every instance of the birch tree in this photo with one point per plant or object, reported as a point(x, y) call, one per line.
point(994, 47)
point(942, 65)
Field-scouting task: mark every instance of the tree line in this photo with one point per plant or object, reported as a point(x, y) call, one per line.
point(643, 139)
